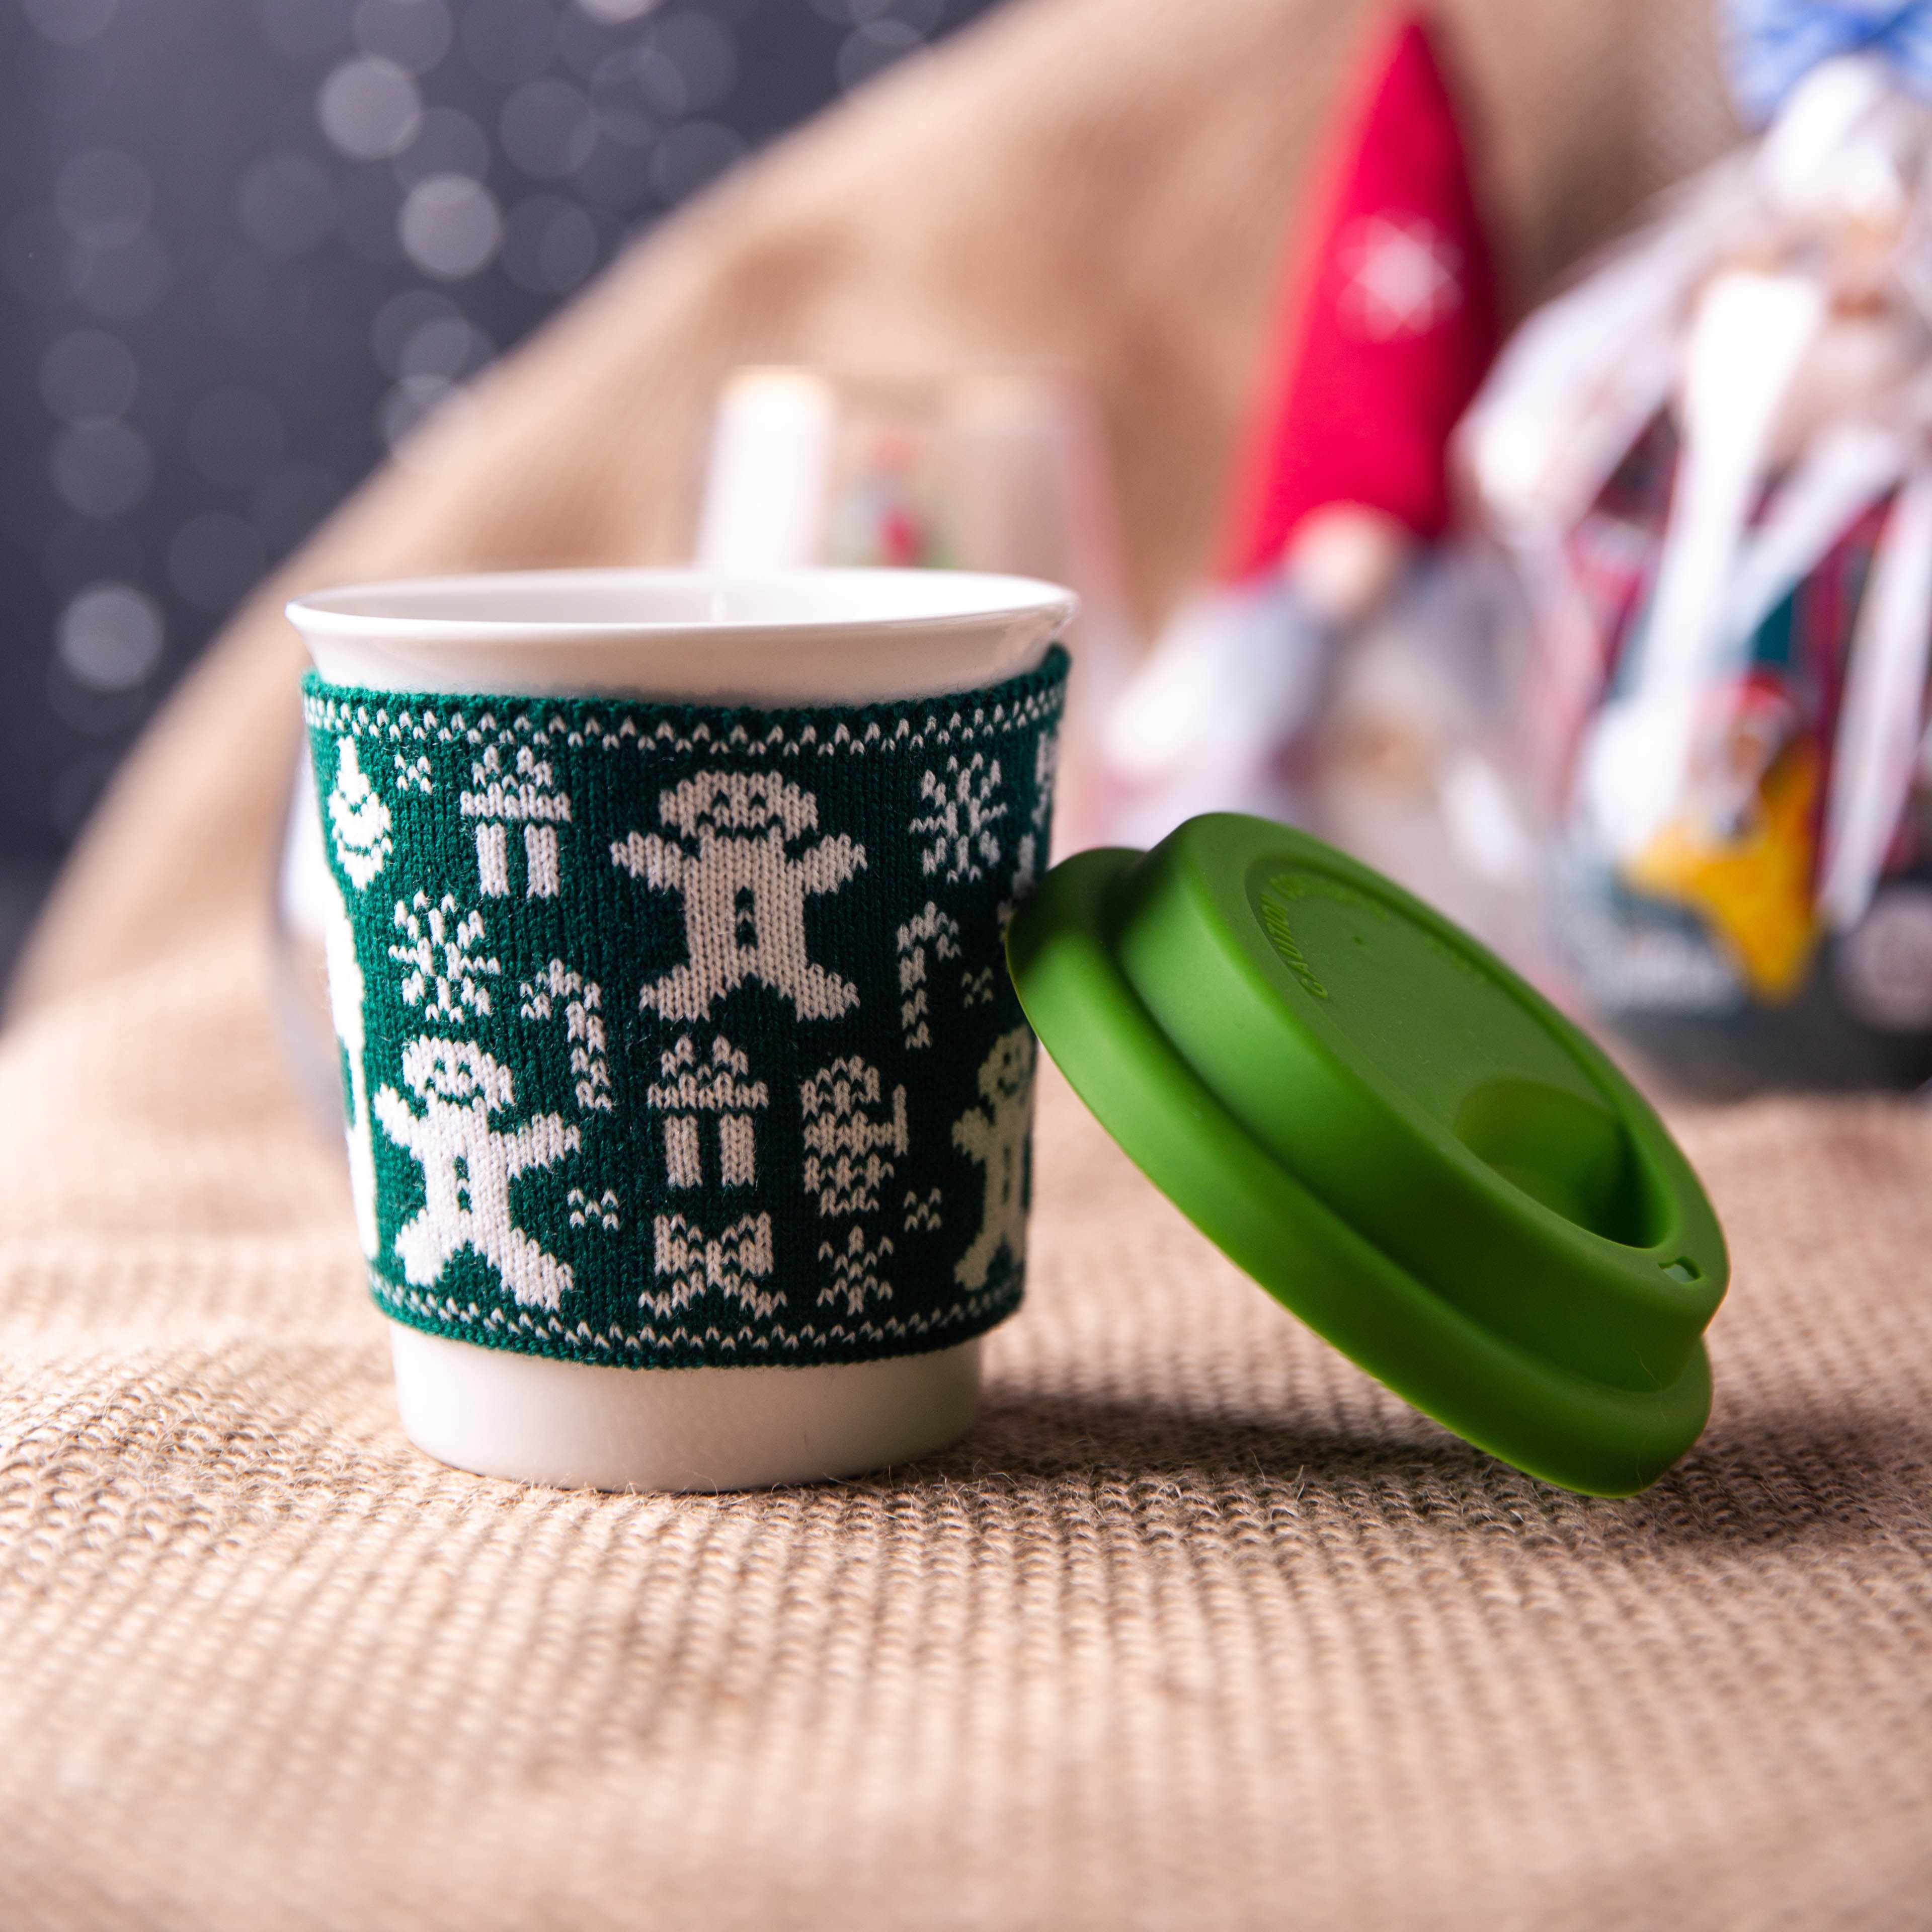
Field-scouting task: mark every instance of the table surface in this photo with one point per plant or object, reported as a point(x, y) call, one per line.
point(1197, 1622)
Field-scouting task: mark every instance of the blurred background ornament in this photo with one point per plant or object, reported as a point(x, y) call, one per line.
point(1710, 457)
point(1346, 668)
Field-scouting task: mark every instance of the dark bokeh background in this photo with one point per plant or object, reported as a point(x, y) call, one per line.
point(245, 245)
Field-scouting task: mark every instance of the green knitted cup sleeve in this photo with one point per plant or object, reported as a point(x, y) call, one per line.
point(675, 1035)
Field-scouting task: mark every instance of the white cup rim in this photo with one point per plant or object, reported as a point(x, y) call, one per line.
point(686, 635)
point(723, 606)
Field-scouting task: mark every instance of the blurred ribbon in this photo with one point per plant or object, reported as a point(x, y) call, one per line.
point(1770, 46)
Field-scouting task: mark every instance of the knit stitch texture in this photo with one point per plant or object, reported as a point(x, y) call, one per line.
point(673, 1035)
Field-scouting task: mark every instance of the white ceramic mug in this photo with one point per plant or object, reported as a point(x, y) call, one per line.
point(816, 638)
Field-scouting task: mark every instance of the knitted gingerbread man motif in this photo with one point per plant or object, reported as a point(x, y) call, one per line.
point(744, 892)
point(468, 1166)
point(995, 1135)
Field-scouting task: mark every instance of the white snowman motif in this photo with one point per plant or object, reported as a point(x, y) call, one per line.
point(359, 820)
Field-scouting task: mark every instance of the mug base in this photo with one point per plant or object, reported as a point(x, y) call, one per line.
point(572, 1425)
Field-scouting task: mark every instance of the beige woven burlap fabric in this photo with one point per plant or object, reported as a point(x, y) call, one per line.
point(1198, 1628)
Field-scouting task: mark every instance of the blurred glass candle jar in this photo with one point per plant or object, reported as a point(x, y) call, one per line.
point(688, 1101)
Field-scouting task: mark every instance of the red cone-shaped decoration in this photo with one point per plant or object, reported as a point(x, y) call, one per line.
point(1387, 328)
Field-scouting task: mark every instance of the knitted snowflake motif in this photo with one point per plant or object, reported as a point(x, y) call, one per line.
point(960, 825)
point(441, 949)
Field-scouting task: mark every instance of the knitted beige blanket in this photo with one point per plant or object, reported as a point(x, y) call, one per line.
point(1198, 1628)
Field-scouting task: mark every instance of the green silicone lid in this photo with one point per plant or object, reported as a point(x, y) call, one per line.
point(1393, 1134)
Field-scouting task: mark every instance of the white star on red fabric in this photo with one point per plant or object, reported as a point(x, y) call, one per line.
point(1403, 277)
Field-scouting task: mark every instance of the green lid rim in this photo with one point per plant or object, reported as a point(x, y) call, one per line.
point(1186, 928)
point(1540, 1417)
